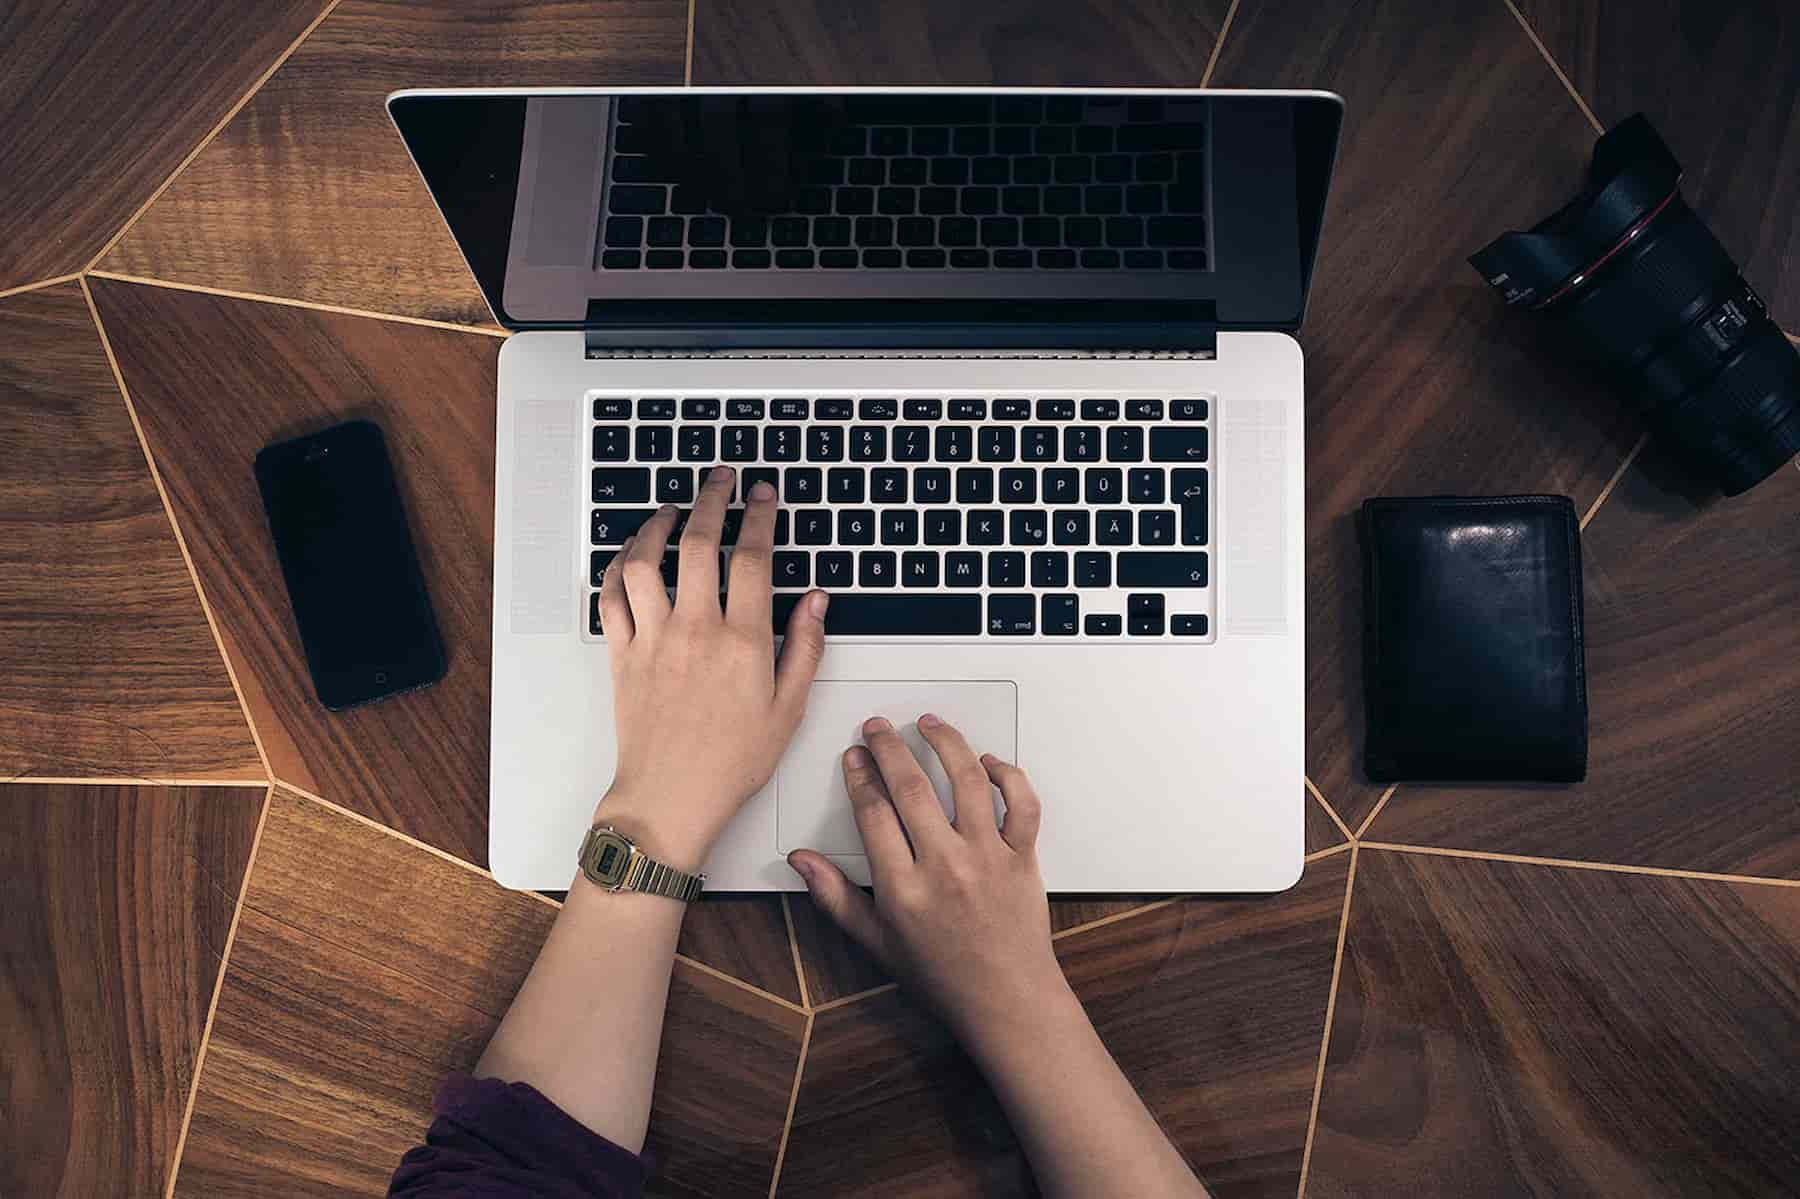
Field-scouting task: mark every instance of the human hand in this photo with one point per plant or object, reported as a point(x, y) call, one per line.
point(960, 913)
point(702, 710)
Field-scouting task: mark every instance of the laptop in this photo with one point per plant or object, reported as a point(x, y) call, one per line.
point(1020, 365)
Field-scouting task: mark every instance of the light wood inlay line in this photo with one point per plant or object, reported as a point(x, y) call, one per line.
point(162, 492)
point(1326, 853)
point(1115, 917)
point(259, 298)
point(1329, 810)
point(1218, 44)
point(133, 781)
point(787, 918)
point(843, 1000)
point(687, 80)
point(38, 286)
point(212, 1007)
point(1551, 60)
point(1337, 966)
point(1575, 864)
point(1630, 457)
point(787, 1125)
point(1376, 810)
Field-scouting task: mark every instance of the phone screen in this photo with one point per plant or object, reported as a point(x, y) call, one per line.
point(352, 576)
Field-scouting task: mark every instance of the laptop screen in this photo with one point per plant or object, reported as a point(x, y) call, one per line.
point(647, 207)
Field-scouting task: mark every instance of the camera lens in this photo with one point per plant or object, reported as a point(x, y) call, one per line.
point(1636, 281)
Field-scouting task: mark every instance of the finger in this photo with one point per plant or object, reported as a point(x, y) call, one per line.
point(969, 782)
point(1023, 809)
point(801, 651)
point(642, 571)
point(883, 839)
point(747, 599)
point(615, 609)
point(698, 590)
point(845, 902)
point(905, 780)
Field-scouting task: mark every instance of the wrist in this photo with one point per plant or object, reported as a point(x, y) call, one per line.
point(662, 825)
point(1043, 1014)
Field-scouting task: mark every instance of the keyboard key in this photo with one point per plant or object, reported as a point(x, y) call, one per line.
point(915, 231)
point(655, 443)
point(962, 569)
point(611, 526)
point(1013, 260)
point(675, 485)
point(1056, 409)
point(781, 443)
point(1143, 409)
point(1177, 444)
point(656, 409)
point(1011, 615)
point(1144, 485)
point(912, 443)
point(1062, 485)
point(1144, 615)
point(1049, 568)
point(924, 409)
point(987, 526)
point(697, 444)
point(1061, 615)
point(1166, 570)
point(955, 443)
point(760, 474)
point(975, 485)
point(1018, 486)
point(611, 443)
point(856, 526)
point(612, 409)
point(1030, 527)
point(968, 409)
point(624, 231)
point(707, 231)
point(998, 443)
point(744, 409)
point(1186, 410)
point(1081, 443)
point(738, 443)
point(1112, 527)
point(802, 485)
point(969, 259)
point(1069, 527)
point(862, 614)
point(812, 526)
point(782, 523)
point(877, 409)
point(844, 485)
point(1006, 568)
point(794, 260)
point(943, 526)
point(825, 443)
point(749, 231)
point(882, 260)
point(1012, 409)
point(834, 570)
point(918, 569)
point(1037, 443)
point(1099, 410)
point(1102, 626)
point(868, 443)
point(792, 568)
point(887, 485)
point(621, 485)
point(1124, 443)
point(833, 409)
point(931, 486)
point(1112, 168)
point(1093, 570)
point(899, 526)
point(597, 563)
point(699, 409)
point(1188, 626)
point(1173, 231)
point(731, 526)
point(788, 409)
point(876, 568)
point(1103, 484)
point(1156, 527)
point(1190, 493)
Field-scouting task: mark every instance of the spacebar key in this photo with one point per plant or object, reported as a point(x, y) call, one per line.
point(865, 614)
point(1161, 570)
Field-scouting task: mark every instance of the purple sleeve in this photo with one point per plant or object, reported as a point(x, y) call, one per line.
point(497, 1140)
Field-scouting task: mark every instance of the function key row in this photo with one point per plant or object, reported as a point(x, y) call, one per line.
point(880, 408)
point(740, 443)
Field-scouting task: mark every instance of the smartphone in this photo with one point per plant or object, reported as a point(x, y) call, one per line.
point(352, 576)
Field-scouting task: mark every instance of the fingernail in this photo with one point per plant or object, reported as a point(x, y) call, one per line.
point(929, 721)
point(764, 490)
point(857, 757)
point(802, 867)
point(666, 508)
point(816, 604)
point(878, 724)
point(720, 474)
point(629, 541)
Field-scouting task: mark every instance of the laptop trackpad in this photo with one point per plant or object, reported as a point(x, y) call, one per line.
point(811, 806)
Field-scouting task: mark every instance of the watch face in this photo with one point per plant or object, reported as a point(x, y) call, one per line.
point(611, 855)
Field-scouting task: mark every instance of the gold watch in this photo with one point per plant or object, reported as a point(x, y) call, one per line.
point(610, 860)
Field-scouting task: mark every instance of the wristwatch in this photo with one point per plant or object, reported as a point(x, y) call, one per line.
point(610, 860)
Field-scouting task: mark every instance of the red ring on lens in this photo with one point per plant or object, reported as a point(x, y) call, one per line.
point(1582, 276)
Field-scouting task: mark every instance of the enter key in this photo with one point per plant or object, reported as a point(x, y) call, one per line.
point(1187, 487)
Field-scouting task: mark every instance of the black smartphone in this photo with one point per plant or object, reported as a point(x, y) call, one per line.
point(352, 576)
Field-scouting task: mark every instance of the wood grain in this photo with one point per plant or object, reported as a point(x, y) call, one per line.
point(1721, 82)
point(308, 193)
point(365, 970)
point(1518, 1030)
point(1017, 42)
point(101, 101)
point(1693, 660)
point(1418, 380)
point(107, 667)
point(1213, 1008)
point(117, 903)
point(745, 936)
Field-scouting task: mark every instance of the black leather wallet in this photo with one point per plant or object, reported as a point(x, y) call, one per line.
point(1472, 659)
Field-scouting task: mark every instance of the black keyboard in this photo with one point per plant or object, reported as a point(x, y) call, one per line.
point(1057, 517)
point(937, 183)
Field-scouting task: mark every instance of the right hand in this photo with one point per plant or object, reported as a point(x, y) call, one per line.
point(959, 913)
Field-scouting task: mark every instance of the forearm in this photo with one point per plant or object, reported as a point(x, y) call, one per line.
point(1077, 1116)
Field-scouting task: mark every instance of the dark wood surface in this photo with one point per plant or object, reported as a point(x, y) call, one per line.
point(1213, 1008)
point(1720, 84)
point(1419, 381)
point(107, 667)
point(117, 902)
point(1517, 1030)
point(308, 192)
point(1015, 42)
point(346, 1005)
point(1693, 662)
point(101, 101)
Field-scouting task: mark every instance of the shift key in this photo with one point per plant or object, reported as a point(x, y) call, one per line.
point(1138, 568)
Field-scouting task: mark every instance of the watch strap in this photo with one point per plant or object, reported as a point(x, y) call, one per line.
point(655, 878)
point(612, 860)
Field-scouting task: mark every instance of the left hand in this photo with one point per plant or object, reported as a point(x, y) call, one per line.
point(703, 711)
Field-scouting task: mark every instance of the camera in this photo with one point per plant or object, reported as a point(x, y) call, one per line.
point(1635, 280)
